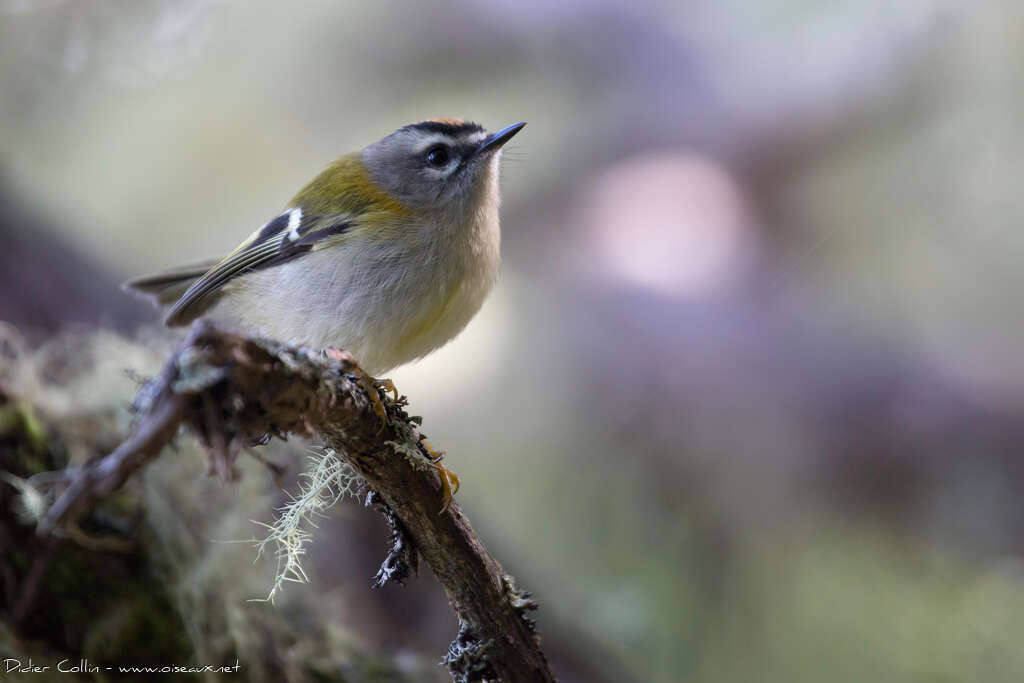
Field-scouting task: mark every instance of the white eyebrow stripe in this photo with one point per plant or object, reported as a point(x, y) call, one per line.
point(294, 220)
point(428, 142)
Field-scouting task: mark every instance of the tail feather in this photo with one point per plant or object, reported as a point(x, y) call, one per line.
point(164, 288)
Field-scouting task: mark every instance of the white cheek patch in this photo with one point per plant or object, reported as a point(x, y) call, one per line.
point(445, 170)
point(294, 221)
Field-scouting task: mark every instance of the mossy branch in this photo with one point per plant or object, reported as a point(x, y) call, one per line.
point(235, 391)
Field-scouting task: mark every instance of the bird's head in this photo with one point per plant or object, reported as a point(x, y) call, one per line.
point(429, 164)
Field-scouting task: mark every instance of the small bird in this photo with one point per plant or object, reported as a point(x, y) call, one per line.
point(387, 253)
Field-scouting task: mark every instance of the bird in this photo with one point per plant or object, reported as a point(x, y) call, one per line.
point(388, 253)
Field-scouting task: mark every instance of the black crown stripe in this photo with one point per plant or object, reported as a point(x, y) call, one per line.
point(447, 127)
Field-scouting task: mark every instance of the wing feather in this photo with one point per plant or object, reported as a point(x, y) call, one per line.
point(167, 286)
point(282, 239)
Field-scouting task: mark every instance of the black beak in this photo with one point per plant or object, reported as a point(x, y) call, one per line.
point(494, 141)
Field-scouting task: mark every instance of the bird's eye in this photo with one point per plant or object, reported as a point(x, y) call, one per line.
point(437, 156)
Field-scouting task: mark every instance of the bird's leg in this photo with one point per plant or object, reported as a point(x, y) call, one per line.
point(449, 480)
point(368, 384)
point(388, 386)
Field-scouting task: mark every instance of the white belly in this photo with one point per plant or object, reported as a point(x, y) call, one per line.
point(384, 308)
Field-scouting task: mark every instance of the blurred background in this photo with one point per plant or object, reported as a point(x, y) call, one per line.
point(747, 402)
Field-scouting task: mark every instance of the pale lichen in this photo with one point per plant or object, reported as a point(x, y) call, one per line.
point(406, 444)
point(32, 503)
point(522, 601)
point(468, 656)
point(328, 480)
point(403, 558)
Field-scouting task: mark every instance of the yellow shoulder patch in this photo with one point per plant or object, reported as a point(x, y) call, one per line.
point(345, 186)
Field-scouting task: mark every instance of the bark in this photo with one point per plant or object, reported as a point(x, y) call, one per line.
point(234, 391)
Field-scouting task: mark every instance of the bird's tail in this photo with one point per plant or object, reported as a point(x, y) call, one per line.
point(164, 288)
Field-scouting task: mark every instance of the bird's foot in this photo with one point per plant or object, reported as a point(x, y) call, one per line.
point(372, 387)
point(367, 383)
point(388, 386)
point(449, 480)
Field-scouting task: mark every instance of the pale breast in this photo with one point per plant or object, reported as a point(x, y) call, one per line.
point(385, 306)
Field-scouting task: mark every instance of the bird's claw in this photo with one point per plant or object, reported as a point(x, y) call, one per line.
point(449, 480)
point(388, 386)
point(367, 383)
point(372, 387)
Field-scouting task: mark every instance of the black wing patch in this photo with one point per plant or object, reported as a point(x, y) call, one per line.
point(275, 227)
point(282, 239)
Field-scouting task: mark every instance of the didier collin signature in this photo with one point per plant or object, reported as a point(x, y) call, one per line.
point(63, 666)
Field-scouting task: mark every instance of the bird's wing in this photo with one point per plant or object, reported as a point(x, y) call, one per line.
point(282, 239)
point(166, 287)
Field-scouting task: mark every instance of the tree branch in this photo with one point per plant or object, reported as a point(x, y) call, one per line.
point(232, 391)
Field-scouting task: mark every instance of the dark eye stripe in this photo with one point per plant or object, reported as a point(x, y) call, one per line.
point(465, 154)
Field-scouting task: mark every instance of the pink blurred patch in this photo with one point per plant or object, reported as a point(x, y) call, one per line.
point(672, 222)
